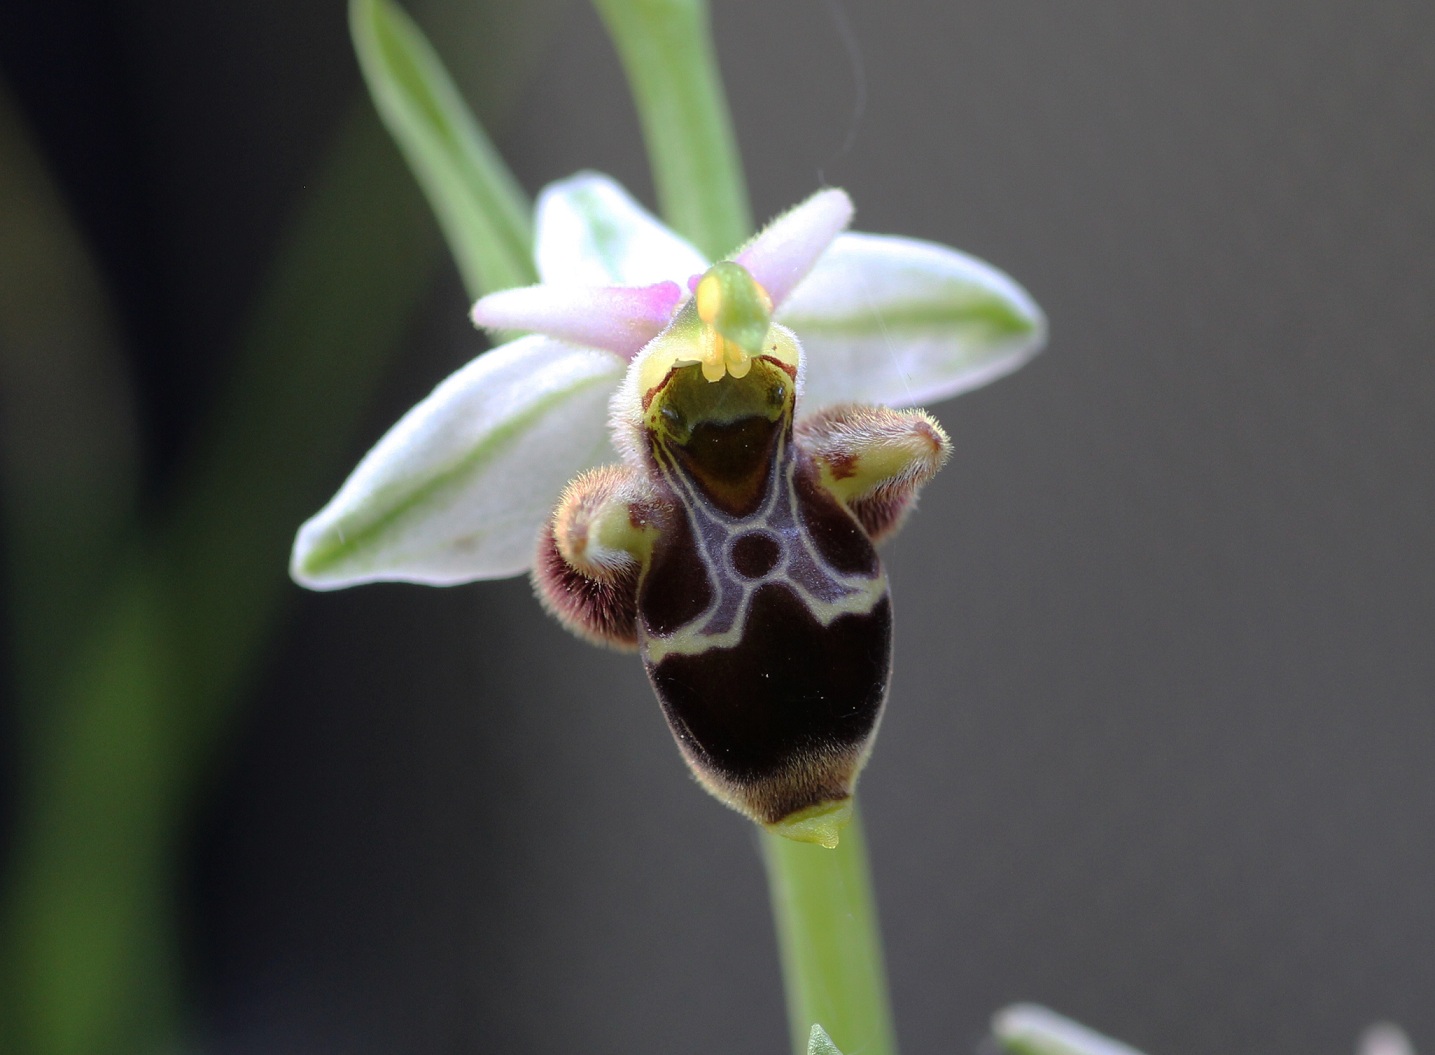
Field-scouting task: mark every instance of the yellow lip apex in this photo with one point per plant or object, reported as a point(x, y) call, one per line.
point(820, 824)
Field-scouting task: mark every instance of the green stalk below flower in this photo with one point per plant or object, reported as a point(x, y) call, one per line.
point(830, 943)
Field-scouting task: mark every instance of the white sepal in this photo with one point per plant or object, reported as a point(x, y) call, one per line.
point(590, 232)
point(904, 322)
point(458, 489)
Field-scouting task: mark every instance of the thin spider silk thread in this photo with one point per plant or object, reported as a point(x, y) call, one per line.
point(837, 11)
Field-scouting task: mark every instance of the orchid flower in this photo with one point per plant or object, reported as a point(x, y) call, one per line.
point(732, 541)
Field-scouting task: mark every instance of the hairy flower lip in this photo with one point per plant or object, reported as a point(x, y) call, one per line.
point(457, 490)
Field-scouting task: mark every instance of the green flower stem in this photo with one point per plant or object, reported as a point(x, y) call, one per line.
point(831, 946)
point(667, 53)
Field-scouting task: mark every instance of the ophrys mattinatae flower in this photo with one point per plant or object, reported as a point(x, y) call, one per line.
point(758, 462)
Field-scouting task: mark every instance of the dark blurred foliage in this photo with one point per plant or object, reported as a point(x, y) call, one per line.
point(1159, 748)
point(181, 135)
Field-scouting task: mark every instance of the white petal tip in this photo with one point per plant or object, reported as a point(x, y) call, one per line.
point(835, 204)
point(1384, 1038)
point(323, 561)
point(317, 562)
point(1034, 1030)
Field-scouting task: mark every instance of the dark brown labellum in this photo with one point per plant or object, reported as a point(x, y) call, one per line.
point(763, 617)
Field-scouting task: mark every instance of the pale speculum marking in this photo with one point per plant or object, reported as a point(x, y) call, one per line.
point(765, 626)
point(772, 546)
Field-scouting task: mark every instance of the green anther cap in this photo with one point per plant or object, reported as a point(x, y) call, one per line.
point(731, 302)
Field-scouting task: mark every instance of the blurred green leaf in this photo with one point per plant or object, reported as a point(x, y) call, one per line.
point(135, 690)
point(828, 935)
point(89, 930)
point(68, 444)
point(145, 686)
point(480, 207)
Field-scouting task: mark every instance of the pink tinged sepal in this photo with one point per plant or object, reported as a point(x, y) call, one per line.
point(784, 251)
point(459, 488)
point(588, 231)
point(620, 319)
point(903, 322)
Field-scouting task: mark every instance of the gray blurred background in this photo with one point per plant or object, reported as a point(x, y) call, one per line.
point(1159, 749)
